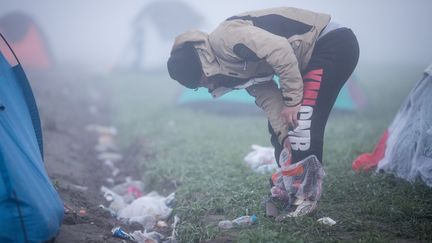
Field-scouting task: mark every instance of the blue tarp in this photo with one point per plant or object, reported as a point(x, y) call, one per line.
point(30, 208)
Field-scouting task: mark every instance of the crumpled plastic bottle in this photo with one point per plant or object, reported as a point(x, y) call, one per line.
point(240, 221)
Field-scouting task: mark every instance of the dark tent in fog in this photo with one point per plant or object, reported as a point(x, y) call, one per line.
point(27, 40)
point(405, 148)
point(30, 208)
point(167, 18)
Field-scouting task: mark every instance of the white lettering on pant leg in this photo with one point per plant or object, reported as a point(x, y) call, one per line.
point(300, 137)
point(299, 143)
point(305, 112)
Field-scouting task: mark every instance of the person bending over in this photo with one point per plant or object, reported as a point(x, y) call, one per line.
point(311, 55)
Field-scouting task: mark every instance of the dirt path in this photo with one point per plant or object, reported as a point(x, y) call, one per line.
point(67, 104)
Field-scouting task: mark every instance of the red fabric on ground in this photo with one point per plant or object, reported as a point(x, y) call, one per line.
point(368, 161)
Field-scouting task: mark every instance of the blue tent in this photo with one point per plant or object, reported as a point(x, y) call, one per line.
point(30, 208)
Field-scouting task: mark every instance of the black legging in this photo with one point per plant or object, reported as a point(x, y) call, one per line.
point(332, 63)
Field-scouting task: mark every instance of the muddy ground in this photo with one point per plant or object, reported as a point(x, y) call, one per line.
point(68, 102)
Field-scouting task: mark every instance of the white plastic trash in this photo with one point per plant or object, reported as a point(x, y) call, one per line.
point(147, 237)
point(117, 201)
point(326, 221)
point(102, 129)
point(147, 221)
point(114, 157)
point(238, 222)
point(261, 159)
point(151, 204)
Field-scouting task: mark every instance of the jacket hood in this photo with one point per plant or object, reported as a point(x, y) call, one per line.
point(200, 40)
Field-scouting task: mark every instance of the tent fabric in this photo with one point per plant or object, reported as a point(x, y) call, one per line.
point(7, 52)
point(177, 17)
point(30, 208)
point(349, 99)
point(27, 40)
point(408, 147)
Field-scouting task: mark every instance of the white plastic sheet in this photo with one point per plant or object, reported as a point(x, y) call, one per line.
point(408, 154)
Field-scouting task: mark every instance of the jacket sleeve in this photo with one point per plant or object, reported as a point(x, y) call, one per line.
point(269, 98)
point(277, 52)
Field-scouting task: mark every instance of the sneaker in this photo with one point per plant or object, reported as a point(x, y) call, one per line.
point(299, 209)
point(302, 184)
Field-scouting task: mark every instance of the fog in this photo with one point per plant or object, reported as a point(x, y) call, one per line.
point(98, 33)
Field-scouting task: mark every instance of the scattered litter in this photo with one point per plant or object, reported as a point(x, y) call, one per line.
point(226, 224)
point(327, 221)
point(151, 204)
point(114, 157)
point(102, 129)
point(147, 221)
point(161, 224)
point(127, 201)
point(146, 210)
point(120, 233)
point(105, 143)
point(117, 201)
point(134, 191)
point(240, 221)
point(112, 167)
point(115, 172)
point(147, 237)
point(82, 212)
point(109, 164)
point(169, 201)
point(110, 181)
point(108, 210)
point(172, 238)
point(67, 209)
point(130, 189)
point(105, 147)
point(105, 139)
point(261, 159)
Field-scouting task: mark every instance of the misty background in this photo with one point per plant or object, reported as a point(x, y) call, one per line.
point(98, 34)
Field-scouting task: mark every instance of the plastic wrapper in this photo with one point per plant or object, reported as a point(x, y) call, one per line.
point(299, 181)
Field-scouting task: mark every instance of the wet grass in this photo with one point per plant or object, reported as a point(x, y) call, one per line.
point(202, 152)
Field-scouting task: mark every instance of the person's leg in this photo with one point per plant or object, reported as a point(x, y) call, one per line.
point(333, 61)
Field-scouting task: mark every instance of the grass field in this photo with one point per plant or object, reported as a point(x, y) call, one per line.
point(202, 153)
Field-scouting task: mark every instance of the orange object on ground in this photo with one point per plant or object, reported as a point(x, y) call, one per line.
point(367, 161)
point(294, 171)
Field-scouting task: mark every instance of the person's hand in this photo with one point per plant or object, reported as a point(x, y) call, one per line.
point(287, 144)
point(289, 113)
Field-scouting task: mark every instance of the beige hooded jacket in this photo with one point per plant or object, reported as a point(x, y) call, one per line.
point(258, 44)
